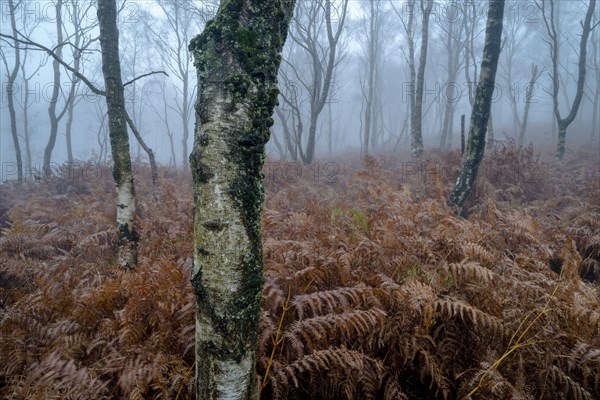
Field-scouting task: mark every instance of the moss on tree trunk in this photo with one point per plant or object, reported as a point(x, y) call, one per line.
point(237, 58)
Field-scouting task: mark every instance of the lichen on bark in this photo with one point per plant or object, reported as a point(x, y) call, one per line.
point(237, 58)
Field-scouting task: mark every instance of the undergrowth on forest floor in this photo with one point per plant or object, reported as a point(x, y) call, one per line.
point(374, 288)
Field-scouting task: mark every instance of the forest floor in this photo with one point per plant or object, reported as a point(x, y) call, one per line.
point(374, 288)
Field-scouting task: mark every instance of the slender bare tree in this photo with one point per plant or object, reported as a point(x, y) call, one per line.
point(182, 20)
point(77, 12)
point(452, 29)
point(55, 116)
point(29, 26)
point(313, 20)
point(12, 72)
point(119, 138)
point(548, 13)
point(416, 119)
point(529, 91)
point(595, 40)
point(372, 48)
point(482, 104)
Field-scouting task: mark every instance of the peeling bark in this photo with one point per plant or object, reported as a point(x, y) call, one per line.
point(482, 104)
point(237, 58)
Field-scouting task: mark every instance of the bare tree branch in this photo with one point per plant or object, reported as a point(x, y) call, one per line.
point(144, 75)
point(37, 46)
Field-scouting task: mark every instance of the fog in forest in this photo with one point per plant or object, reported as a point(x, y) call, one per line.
point(349, 89)
point(300, 199)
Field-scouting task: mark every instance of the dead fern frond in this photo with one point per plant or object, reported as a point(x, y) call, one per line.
point(493, 385)
point(307, 335)
point(332, 301)
point(451, 308)
point(559, 385)
point(471, 272)
point(324, 369)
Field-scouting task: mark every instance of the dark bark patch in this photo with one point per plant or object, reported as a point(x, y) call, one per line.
point(202, 172)
point(127, 235)
point(215, 226)
point(202, 251)
point(204, 140)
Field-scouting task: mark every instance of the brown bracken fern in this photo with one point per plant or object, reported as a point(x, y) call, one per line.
point(374, 289)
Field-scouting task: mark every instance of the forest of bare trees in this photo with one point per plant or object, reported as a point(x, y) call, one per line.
point(242, 199)
point(369, 76)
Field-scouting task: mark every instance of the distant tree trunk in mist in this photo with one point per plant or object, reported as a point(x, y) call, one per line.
point(555, 38)
point(280, 149)
point(514, 37)
point(176, 55)
point(56, 91)
point(240, 50)
point(595, 131)
point(26, 102)
point(453, 48)
point(10, 91)
point(26, 130)
point(595, 39)
point(417, 116)
point(70, 114)
point(329, 129)
point(322, 57)
point(410, 38)
point(469, 27)
point(77, 13)
point(101, 134)
point(482, 104)
point(119, 139)
point(535, 74)
point(170, 133)
point(373, 38)
point(149, 152)
point(290, 142)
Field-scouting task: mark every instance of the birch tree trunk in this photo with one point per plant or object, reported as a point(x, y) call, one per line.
point(535, 74)
point(482, 104)
point(119, 139)
point(239, 51)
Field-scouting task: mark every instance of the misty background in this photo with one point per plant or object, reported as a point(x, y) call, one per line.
point(361, 106)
